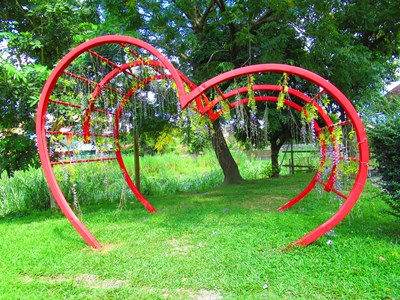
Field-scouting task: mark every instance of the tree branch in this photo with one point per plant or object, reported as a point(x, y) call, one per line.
point(265, 18)
point(24, 12)
point(211, 6)
point(212, 55)
point(221, 4)
point(196, 18)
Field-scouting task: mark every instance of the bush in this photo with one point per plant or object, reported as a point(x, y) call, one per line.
point(385, 144)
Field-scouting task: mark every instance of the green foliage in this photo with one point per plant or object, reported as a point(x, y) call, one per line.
point(33, 29)
point(195, 130)
point(25, 191)
point(385, 142)
point(323, 36)
point(19, 95)
point(205, 38)
point(31, 35)
point(17, 152)
point(163, 140)
point(309, 113)
point(354, 45)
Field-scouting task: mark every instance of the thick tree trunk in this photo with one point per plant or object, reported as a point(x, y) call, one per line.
point(274, 158)
point(225, 159)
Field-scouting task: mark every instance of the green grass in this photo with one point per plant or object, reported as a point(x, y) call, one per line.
point(222, 243)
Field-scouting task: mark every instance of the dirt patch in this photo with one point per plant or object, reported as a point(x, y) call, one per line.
point(267, 204)
point(183, 293)
point(208, 295)
point(92, 280)
point(108, 247)
point(88, 280)
point(104, 248)
point(178, 248)
point(44, 279)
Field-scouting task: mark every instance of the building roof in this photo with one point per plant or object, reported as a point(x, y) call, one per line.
point(395, 91)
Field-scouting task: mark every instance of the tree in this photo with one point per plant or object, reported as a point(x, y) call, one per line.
point(224, 156)
point(385, 141)
point(33, 29)
point(19, 91)
point(216, 36)
point(353, 44)
point(327, 37)
point(30, 36)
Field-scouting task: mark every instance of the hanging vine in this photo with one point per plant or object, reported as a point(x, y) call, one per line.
point(283, 82)
point(252, 101)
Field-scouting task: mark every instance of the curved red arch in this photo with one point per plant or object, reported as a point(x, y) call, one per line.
point(341, 99)
point(41, 119)
point(194, 98)
point(327, 120)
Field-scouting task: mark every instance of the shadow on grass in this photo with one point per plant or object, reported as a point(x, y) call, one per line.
point(31, 216)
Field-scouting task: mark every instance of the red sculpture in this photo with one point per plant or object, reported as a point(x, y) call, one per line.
point(102, 65)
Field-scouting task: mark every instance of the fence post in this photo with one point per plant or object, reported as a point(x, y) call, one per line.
point(291, 158)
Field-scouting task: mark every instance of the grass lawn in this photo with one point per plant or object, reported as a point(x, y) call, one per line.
point(225, 243)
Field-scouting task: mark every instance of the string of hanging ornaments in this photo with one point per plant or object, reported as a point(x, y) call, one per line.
point(101, 92)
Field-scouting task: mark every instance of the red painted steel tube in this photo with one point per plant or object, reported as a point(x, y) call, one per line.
point(41, 119)
point(337, 124)
point(197, 96)
point(313, 181)
point(65, 103)
point(340, 98)
point(121, 106)
point(78, 133)
point(97, 91)
point(333, 189)
point(276, 88)
point(79, 106)
point(93, 83)
point(75, 161)
point(119, 157)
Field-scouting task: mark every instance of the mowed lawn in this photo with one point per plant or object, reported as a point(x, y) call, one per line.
point(225, 243)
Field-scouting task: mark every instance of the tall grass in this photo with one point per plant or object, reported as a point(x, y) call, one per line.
point(100, 182)
point(25, 190)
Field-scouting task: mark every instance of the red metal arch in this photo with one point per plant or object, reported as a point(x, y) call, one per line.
point(276, 88)
point(42, 111)
point(197, 99)
point(341, 100)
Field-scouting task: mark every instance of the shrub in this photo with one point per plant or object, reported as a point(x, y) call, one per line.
point(385, 144)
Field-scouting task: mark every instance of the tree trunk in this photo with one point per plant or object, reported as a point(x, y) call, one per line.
point(224, 156)
point(274, 158)
point(276, 145)
point(136, 159)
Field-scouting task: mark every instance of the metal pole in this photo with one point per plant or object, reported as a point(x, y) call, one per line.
point(291, 158)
